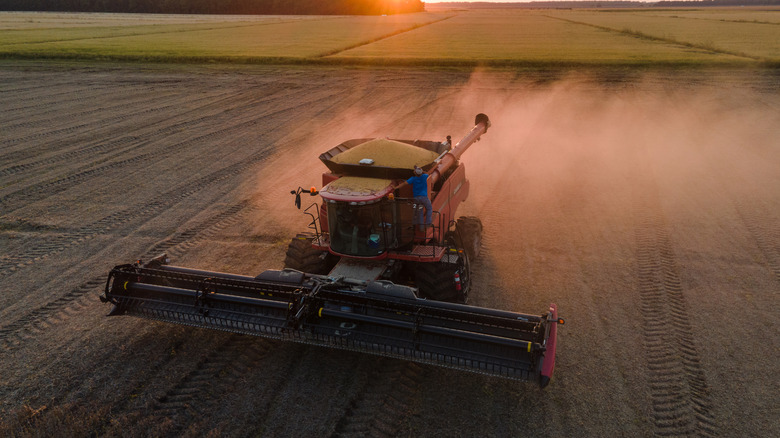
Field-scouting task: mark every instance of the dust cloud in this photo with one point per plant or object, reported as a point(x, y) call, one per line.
point(295, 163)
point(549, 138)
point(578, 131)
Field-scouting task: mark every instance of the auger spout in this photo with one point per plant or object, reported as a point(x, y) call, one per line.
point(481, 125)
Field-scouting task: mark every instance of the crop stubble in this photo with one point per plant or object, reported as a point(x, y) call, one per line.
point(561, 224)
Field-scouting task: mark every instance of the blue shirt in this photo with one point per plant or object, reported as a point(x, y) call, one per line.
point(419, 185)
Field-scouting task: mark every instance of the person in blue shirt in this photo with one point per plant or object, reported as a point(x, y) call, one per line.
point(419, 183)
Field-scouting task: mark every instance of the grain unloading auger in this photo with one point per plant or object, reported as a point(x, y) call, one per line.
point(377, 281)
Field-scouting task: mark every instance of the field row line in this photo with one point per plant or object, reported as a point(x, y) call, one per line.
point(379, 38)
point(646, 36)
point(132, 34)
point(421, 62)
point(720, 20)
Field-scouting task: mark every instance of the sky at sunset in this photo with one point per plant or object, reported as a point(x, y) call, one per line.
point(484, 1)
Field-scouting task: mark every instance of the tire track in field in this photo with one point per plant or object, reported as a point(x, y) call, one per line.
point(764, 231)
point(298, 366)
point(29, 91)
point(389, 387)
point(12, 335)
point(384, 400)
point(111, 145)
point(759, 219)
point(403, 122)
point(679, 393)
point(125, 394)
point(57, 113)
point(357, 418)
point(43, 190)
point(70, 96)
point(75, 128)
point(122, 141)
point(212, 101)
point(100, 124)
point(11, 263)
point(229, 368)
point(186, 408)
point(403, 116)
point(199, 390)
point(56, 244)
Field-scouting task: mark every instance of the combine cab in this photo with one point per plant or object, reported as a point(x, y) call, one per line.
point(371, 275)
point(369, 227)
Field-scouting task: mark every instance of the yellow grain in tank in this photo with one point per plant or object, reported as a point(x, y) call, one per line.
point(387, 153)
point(359, 184)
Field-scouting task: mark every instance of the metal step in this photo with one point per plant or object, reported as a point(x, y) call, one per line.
point(358, 270)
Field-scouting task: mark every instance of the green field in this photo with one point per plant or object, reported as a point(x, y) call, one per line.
point(494, 37)
point(759, 39)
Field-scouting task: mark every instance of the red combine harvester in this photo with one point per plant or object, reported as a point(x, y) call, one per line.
point(370, 276)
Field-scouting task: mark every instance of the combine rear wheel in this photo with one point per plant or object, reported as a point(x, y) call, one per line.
point(468, 235)
point(305, 258)
point(447, 280)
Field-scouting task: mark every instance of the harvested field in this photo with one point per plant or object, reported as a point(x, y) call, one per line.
point(646, 205)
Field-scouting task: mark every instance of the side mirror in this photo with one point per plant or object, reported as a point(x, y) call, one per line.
point(313, 192)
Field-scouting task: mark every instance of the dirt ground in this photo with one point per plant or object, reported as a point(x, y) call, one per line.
point(646, 205)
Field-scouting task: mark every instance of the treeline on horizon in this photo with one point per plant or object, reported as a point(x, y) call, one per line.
point(591, 4)
point(239, 7)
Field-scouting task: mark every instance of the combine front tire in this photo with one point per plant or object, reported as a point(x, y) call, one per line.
point(468, 235)
point(444, 281)
point(305, 258)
